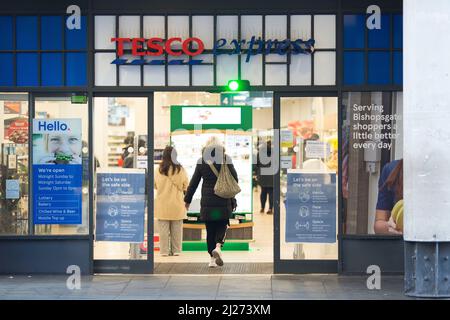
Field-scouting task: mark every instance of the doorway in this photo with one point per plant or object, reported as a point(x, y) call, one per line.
point(306, 186)
point(243, 121)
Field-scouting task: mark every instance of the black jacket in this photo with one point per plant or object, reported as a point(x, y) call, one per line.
point(264, 180)
point(212, 207)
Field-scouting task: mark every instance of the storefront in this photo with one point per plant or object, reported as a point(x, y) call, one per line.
point(115, 85)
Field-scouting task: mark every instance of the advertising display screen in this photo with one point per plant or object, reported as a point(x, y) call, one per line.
point(57, 171)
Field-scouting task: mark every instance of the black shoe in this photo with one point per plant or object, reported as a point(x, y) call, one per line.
point(269, 211)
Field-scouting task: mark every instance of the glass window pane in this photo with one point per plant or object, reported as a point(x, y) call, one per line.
point(6, 69)
point(14, 164)
point(27, 69)
point(178, 26)
point(51, 32)
point(61, 196)
point(381, 38)
point(324, 68)
point(203, 28)
point(325, 31)
point(105, 72)
point(120, 180)
point(6, 30)
point(300, 27)
point(354, 28)
point(154, 75)
point(26, 33)
point(51, 69)
point(276, 75)
point(308, 178)
point(76, 39)
point(129, 27)
point(372, 138)
point(105, 29)
point(178, 75)
point(251, 26)
point(227, 68)
point(129, 75)
point(354, 68)
point(227, 28)
point(76, 69)
point(202, 75)
point(300, 72)
point(276, 27)
point(154, 27)
point(252, 70)
point(398, 31)
point(379, 68)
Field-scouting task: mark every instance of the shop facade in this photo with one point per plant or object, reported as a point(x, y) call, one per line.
point(56, 67)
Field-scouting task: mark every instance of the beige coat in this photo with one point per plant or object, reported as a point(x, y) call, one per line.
point(169, 203)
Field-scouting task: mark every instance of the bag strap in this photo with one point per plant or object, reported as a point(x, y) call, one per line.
point(176, 186)
point(213, 168)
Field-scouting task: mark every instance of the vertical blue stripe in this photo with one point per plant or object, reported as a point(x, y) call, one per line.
point(354, 71)
point(76, 66)
point(6, 69)
point(27, 69)
point(354, 30)
point(381, 38)
point(6, 33)
point(26, 32)
point(398, 68)
point(51, 33)
point(51, 69)
point(379, 67)
point(398, 31)
point(77, 39)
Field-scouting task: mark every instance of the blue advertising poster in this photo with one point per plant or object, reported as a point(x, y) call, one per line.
point(311, 207)
point(57, 171)
point(120, 206)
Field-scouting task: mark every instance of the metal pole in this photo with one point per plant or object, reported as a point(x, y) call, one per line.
point(426, 151)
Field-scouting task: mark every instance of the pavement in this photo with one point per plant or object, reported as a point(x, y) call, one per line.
point(201, 287)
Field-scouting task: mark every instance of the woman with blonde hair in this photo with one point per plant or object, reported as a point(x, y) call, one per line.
point(171, 182)
point(214, 210)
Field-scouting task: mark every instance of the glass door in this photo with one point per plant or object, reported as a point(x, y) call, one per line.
point(121, 185)
point(306, 210)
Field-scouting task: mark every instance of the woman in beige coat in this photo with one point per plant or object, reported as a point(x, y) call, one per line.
point(171, 182)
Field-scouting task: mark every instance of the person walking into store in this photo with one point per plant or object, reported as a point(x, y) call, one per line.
point(265, 180)
point(390, 192)
point(171, 183)
point(215, 211)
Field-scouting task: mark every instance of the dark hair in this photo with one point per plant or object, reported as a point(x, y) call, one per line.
point(395, 181)
point(169, 160)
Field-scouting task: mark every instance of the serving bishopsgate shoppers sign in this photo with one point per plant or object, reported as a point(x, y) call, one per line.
point(144, 49)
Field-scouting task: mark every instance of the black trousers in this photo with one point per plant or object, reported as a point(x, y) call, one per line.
point(264, 192)
point(215, 233)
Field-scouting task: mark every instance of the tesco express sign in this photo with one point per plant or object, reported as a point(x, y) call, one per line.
point(156, 47)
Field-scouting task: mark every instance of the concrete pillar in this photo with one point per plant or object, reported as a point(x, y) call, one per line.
point(427, 147)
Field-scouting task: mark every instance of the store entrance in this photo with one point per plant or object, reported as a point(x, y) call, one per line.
point(243, 122)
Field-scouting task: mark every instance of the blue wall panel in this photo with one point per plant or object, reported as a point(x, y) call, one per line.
point(27, 69)
point(51, 33)
point(6, 69)
point(27, 32)
point(6, 32)
point(379, 67)
point(77, 39)
point(76, 69)
point(381, 38)
point(354, 30)
point(51, 69)
point(354, 71)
